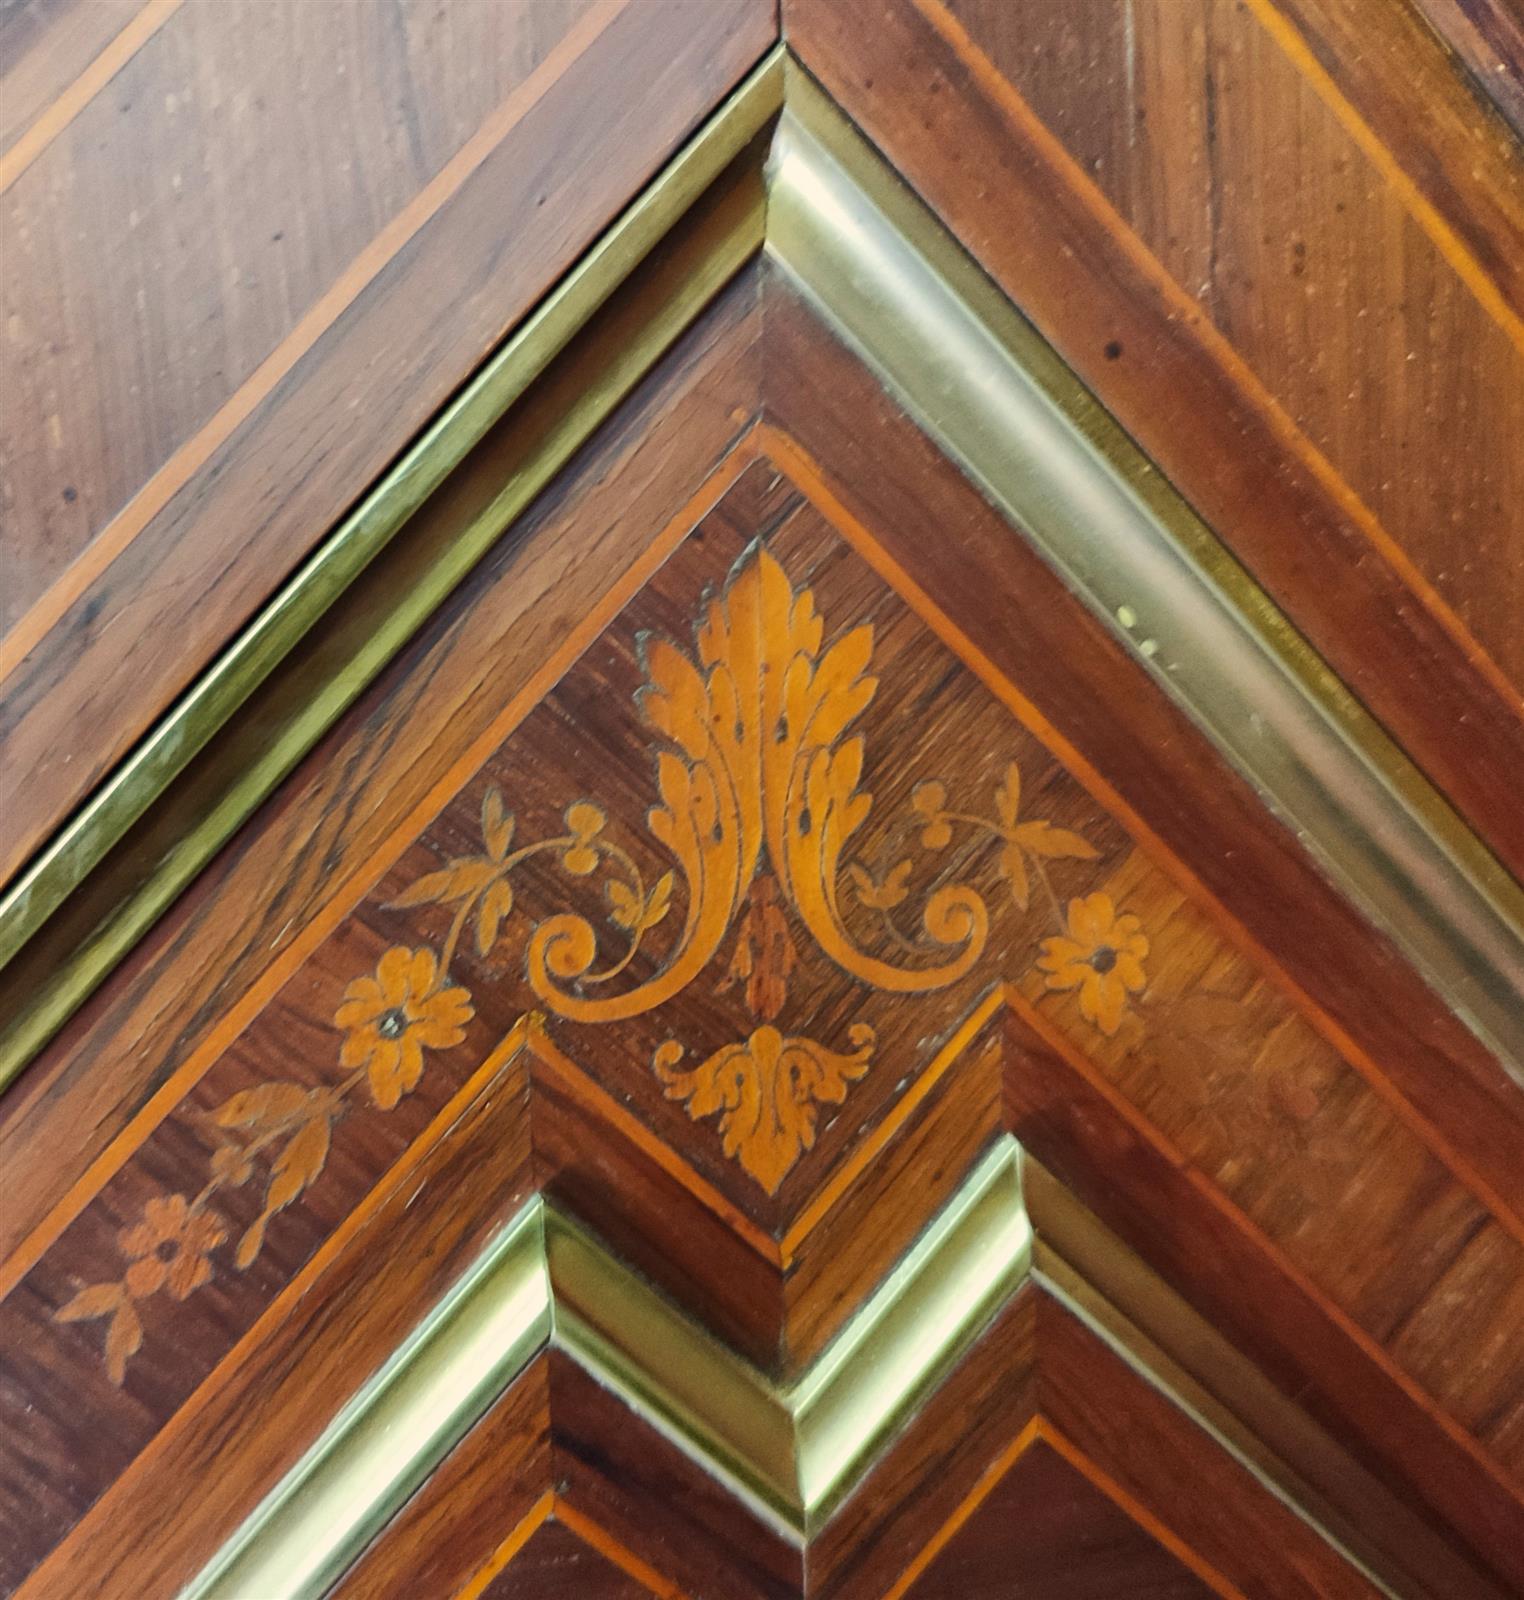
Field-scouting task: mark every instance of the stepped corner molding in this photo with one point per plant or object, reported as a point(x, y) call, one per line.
point(778, 170)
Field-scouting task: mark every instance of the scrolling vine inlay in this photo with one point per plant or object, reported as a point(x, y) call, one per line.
point(760, 811)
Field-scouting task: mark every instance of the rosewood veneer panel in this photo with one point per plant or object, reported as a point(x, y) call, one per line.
point(208, 449)
point(1242, 392)
point(738, 882)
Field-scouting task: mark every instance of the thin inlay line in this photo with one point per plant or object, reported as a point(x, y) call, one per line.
point(191, 456)
point(1457, 254)
point(523, 1530)
point(864, 1153)
point(981, 1491)
point(1031, 130)
point(1136, 1510)
point(600, 1539)
point(61, 111)
point(809, 477)
point(54, 1567)
point(1076, 1060)
point(603, 1105)
point(354, 887)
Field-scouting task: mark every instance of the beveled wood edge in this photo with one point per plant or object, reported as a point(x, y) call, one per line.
point(791, 1453)
point(884, 274)
point(1155, 1331)
point(788, 1452)
point(950, 347)
point(508, 381)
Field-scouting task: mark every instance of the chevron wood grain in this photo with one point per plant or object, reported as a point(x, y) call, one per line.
point(802, 987)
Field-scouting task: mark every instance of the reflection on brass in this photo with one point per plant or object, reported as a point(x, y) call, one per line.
point(552, 383)
point(952, 349)
point(995, 397)
point(792, 1453)
point(789, 1452)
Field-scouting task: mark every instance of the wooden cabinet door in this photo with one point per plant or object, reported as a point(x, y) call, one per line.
point(762, 825)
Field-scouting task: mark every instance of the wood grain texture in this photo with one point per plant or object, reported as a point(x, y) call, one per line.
point(769, 1206)
point(314, 850)
point(50, 57)
point(559, 1563)
point(1146, 1452)
point(1074, 1544)
point(759, 829)
point(1376, 575)
point(1359, 316)
point(1161, 1207)
point(491, 1484)
point(1488, 36)
point(1154, 767)
point(619, 1472)
point(221, 495)
point(118, 1486)
point(1038, 1379)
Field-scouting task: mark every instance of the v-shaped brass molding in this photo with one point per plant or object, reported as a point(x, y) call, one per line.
point(789, 1452)
point(779, 169)
point(793, 1453)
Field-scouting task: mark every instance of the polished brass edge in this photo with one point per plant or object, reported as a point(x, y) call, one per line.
point(1081, 1264)
point(396, 1430)
point(794, 1452)
point(787, 1452)
point(508, 380)
point(707, 1400)
point(901, 1343)
point(946, 343)
point(791, 1453)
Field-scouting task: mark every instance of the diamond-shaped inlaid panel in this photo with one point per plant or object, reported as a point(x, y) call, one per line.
point(754, 859)
point(758, 863)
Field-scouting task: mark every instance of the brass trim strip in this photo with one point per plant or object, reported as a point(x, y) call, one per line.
point(952, 349)
point(948, 344)
point(972, 1257)
point(791, 1453)
point(1060, 1281)
point(307, 1532)
point(507, 380)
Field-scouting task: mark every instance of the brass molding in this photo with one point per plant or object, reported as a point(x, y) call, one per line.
point(793, 1453)
point(790, 1453)
point(397, 1428)
point(891, 282)
point(707, 198)
point(886, 276)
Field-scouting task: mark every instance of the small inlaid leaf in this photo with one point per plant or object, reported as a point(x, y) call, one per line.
point(95, 1301)
point(659, 902)
point(625, 912)
point(458, 881)
point(1043, 839)
point(297, 1166)
point(124, 1338)
point(1008, 796)
point(497, 824)
point(881, 896)
point(1013, 867)
point(270, 1103)
point(628, 911)
point(231, 1165)
point(496, 904)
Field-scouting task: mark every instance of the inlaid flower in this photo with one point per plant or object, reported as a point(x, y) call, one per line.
point(584, 821)
point(1102, 957)
point(929, 800)
point(392, 1018)
point(170, 1247)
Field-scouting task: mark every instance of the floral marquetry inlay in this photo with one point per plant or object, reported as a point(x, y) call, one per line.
point(766, 863)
